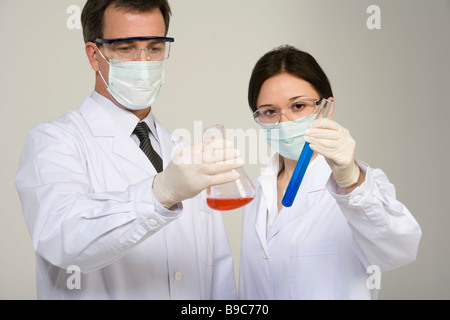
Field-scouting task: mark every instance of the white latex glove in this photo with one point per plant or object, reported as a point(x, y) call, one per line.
point(334, 142)
point(194, 168)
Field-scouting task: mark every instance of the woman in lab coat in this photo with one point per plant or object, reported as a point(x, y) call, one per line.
point(345, 226)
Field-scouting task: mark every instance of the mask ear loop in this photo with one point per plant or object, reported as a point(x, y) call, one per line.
point(101, 54)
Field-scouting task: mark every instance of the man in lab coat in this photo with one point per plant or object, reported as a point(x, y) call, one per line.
point(106, 220)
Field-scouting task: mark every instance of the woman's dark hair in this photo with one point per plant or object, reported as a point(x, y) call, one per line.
point(92, 17)
point(290, 60)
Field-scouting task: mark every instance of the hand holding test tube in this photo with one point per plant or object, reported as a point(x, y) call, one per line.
point(323, 110)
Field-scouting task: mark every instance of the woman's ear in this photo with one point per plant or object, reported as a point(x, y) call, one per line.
point(331, 114)
point(91, 52)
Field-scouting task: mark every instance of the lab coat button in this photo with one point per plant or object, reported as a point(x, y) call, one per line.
point(264, 255)
point(357, 198)
point(152, 222)
point(178, 275)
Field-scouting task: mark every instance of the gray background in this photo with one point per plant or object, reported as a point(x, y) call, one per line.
point(390, 88)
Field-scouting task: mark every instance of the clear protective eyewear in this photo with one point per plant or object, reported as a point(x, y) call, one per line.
point(269, 116)
point(129, 49)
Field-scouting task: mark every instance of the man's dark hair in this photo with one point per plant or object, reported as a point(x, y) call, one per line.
point(290, 60)
point(92, 17)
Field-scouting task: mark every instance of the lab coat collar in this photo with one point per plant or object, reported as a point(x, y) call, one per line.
point(105, 119)
point(122, 117)
point(270, 173)
point(100, 122)
point(123, 120)
point(315, 179)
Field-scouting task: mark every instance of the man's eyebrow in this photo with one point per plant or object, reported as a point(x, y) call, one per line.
point(124, 41)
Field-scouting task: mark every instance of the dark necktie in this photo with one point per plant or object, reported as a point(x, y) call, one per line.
point(142, 131)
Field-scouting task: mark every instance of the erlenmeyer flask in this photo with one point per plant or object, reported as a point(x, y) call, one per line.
point(230, 195)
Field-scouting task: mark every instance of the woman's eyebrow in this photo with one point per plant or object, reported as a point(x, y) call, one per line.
point(265, 105)
point(294, 98)
point(271, 105)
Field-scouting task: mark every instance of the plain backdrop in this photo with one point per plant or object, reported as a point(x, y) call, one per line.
point(390, 86)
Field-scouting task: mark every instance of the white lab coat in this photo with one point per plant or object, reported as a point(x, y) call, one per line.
point(86, 193)
point(323, 246)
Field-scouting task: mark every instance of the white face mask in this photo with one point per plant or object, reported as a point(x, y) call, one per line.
point(134, 84)
point(287, 138)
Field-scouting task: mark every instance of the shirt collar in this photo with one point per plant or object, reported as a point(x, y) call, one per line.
point(150, 121)
point(273, 167)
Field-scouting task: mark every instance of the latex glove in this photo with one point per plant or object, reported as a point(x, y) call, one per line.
point(194, 168)
point(334, 142)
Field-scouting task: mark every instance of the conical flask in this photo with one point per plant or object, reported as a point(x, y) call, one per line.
point(231, 195)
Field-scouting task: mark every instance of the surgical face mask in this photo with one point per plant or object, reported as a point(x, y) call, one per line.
point(287, 138)
point(134, 84)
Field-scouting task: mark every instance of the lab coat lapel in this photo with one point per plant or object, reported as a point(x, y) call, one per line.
point(132, 152)
point(268, 201)
point(289, 214)
point(97, 119)
point(103, 125)
point(315, 180)
point(265, 203)
point(128, 149)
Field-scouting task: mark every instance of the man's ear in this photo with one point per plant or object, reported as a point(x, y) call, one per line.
point(92, 54)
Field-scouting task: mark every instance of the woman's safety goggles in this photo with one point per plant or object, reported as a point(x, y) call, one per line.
point(129, 49)
point(270, 116)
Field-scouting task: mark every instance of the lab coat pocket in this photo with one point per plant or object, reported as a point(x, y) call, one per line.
point(314, 271)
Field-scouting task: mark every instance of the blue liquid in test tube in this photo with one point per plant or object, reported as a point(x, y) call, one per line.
point(297, 176)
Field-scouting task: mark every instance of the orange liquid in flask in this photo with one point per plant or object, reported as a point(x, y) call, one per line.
point(227, 204)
